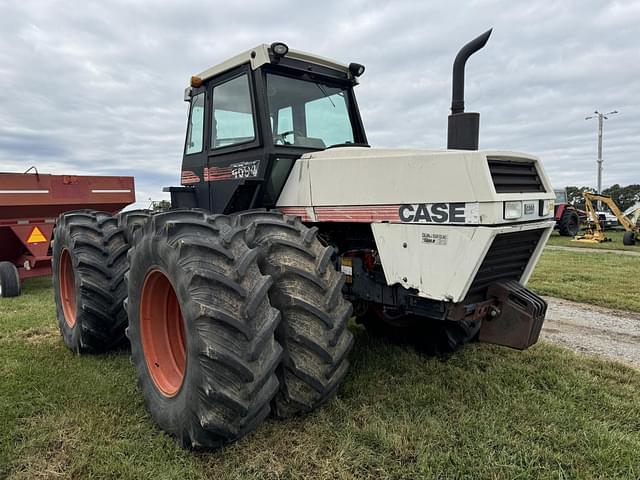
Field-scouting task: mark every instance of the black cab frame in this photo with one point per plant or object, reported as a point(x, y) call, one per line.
point(251, 119)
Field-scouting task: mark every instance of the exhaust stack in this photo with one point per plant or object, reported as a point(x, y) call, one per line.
point(464, 127)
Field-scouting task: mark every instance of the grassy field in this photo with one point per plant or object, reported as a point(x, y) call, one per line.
point(486, 412)
point(614, 244)
point(602, 279)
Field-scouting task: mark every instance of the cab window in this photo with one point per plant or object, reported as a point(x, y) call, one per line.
point(328, 118)
point(232, 113)
point(561, 196)
point(195, 130)
point(307, 113)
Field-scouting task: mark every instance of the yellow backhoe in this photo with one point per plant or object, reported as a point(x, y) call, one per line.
point(595, 232)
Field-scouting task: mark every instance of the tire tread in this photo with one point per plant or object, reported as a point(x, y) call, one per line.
point(313, 333)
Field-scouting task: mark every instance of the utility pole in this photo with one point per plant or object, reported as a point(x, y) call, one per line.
point(601, 118)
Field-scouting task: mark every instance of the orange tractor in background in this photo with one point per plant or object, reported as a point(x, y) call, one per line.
point(566, 215)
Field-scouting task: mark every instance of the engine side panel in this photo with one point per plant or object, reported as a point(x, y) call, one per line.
point(441, 261)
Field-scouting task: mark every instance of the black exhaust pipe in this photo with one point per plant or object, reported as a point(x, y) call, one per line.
point(464, 128)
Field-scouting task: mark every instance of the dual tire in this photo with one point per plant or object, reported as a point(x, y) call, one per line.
point(89, 263)
point(307, 290)
point(201, 328)
point(230, 317)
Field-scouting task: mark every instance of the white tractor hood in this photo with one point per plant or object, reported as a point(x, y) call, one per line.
point(406, 186)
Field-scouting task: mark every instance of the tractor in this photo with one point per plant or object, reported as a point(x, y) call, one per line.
point(286, 225)
point(566, 215)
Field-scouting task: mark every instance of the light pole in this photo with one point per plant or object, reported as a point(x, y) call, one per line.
point(601, 118)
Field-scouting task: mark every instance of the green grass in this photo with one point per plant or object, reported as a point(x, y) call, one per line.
point(614, 244)
point(486, 412)
point(607, 280)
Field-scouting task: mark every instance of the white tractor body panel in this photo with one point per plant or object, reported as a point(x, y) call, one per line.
point(377, 180)
point(441, 261)
point(442, 205)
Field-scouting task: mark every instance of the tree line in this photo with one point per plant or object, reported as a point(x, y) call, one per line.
point(624, 197)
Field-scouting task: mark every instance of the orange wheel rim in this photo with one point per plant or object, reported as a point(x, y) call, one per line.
point(162, 333)
point(67, 288)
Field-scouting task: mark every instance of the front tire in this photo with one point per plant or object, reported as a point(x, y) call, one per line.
point(307, 290)
point(89, 262)
point(201, 328)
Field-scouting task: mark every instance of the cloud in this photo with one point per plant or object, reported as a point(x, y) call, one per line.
point(97, 87)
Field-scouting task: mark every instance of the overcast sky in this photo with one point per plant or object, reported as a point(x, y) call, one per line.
point(97, 88)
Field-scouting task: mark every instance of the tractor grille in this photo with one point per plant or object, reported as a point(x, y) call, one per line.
point(511, 176)
point(506, 259)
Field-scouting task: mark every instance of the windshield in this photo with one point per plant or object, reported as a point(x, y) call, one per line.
point(307, 113)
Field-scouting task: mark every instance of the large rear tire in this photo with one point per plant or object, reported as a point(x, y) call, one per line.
point(569, 223)
point(201, 328)
point(9, 280)
point(307, 290)
point(89, 262)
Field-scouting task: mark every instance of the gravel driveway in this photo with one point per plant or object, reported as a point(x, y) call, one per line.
point(586, 328)
point(630, 253)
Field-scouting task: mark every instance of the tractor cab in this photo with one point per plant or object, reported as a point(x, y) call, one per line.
point(252, 116)
point(561, 196)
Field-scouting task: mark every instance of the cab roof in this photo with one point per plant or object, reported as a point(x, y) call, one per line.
point(260, 55)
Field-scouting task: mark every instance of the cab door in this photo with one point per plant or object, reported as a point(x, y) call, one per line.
point(194, 161)
point(235, 155)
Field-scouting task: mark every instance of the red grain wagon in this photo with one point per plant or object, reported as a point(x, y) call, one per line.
point(29, 207)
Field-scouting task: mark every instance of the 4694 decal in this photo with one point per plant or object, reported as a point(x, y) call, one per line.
point(245, 169)
point(233, 171)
